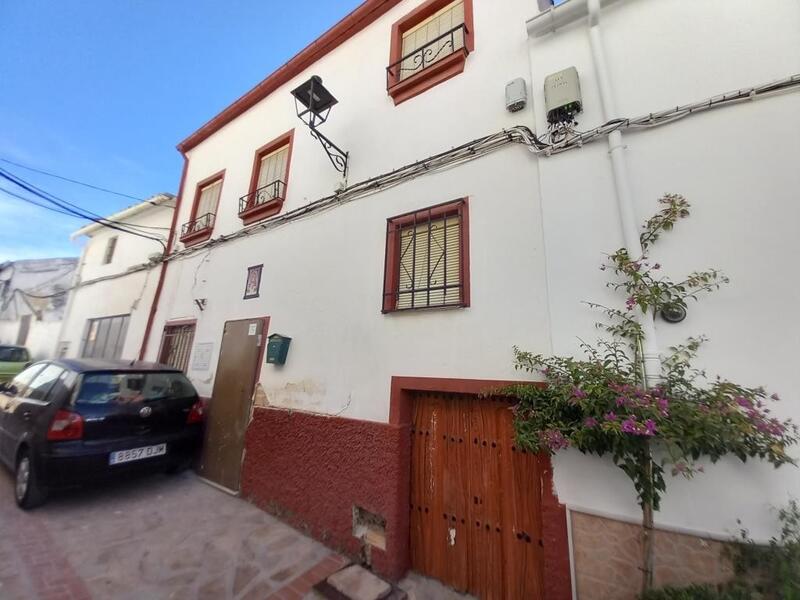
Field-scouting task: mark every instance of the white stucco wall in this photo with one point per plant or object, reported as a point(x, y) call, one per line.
point(130, 294)
point(737, 166)
point(538, 227)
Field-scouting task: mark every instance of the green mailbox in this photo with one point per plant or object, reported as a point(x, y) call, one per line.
point(277, 348)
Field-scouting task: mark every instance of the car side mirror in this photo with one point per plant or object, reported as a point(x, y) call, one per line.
point(28, 364)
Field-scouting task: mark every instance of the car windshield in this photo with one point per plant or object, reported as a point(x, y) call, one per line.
point(124, 388)
point(12, 354)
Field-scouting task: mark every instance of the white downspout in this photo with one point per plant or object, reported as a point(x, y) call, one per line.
point(627, 214)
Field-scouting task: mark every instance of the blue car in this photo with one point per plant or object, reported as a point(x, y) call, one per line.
point(65, 423)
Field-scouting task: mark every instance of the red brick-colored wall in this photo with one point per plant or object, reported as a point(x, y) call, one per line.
point(311, 469)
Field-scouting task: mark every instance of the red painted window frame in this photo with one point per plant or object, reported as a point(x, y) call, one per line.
point(391, 277)
point(203, 234)
point(273, 207)
point(441, 71)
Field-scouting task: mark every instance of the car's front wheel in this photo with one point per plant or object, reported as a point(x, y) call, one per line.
point(27, 487)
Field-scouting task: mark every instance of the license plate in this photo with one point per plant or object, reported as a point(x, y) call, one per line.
point(123, 456)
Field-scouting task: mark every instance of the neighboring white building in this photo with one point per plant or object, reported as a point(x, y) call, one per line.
point(116, 282)
point(274, 240)
point(33, 295)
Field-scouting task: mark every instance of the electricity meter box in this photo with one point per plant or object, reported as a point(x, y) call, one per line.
point(562, 95)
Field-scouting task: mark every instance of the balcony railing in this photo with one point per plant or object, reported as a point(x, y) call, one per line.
point(201, 224)
point(423, 57)
point(262, 196)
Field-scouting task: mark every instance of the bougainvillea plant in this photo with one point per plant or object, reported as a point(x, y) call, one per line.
point(602, 404)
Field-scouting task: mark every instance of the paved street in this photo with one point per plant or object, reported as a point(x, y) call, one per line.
point(153, 538)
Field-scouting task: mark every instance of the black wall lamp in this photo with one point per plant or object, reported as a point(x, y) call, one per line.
point(313, 103)
point(673, 313)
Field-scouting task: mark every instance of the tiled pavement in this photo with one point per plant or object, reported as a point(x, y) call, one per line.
point(153, 538)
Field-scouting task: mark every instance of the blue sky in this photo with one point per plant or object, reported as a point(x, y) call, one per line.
point(102, 91)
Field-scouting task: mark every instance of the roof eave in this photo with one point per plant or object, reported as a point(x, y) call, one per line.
point(365, 14)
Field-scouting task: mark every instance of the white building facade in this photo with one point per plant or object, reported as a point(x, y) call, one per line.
point(33, 296)
point(389, 325)
point(116, 281)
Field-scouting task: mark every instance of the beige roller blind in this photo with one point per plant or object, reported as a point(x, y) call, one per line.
point(209, 196)
point(437, 24)
point(273, 167)
point(430, 264)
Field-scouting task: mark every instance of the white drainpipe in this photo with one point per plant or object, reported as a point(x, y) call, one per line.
point(545, 23)
point(627, 213)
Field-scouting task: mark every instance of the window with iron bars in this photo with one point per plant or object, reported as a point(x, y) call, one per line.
point(176, 346)
point(427, 259)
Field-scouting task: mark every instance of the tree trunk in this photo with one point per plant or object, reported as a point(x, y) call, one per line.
point(647, 528)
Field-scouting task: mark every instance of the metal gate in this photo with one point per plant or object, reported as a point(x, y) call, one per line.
point(475, 499)
point(176, 345)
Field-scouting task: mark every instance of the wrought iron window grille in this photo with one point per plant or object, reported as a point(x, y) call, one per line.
point(425, 280)
point(176, 346)
point(451, 41)
point(275, 190)
point(201, 223)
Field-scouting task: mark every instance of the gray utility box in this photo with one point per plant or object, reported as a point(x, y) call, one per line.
point(562, 95)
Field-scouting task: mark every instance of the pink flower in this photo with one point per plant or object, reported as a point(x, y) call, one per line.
point(649, 427)
point(578, 393)
point(554, 439)
point(610, 416)
point(679, 468)
point(590, 422)
point(630, 302)
point(621, 400)
point(775, 397)
point(743, 402)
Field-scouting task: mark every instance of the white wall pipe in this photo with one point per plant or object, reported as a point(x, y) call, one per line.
point(554, 17)
point(619, 166)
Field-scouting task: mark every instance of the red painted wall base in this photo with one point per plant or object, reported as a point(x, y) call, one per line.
point(310, 470)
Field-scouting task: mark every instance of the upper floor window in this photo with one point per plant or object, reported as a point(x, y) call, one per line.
point(429, 46)
point(427, 258)
point(268, 181)
point(110, 247)
point(204, 210)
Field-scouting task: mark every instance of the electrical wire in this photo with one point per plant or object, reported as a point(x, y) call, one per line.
point(74, 209)
point(69, 214)
point(520, 134)
point(75, 181)
point(467, 152)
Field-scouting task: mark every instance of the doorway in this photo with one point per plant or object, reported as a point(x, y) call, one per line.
point(238, 367)
point(476, 521)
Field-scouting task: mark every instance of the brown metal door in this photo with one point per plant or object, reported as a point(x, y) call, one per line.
point(229, 409)
point(475, 499)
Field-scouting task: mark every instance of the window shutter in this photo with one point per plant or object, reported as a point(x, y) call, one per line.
point(209, 196)
point(439, 23)
point(430, 264)
point(273, 167)
point(110, 247)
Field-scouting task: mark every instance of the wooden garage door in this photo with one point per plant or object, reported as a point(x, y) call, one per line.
point(475, 499)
